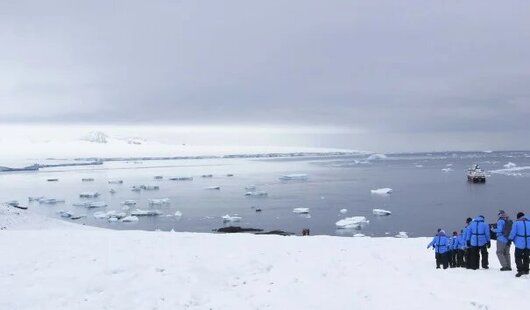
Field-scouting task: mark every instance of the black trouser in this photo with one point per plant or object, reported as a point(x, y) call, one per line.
point(474, 256)
point(452, 258)
point(521, 259)
point(442, 259)
point(467, 261)
point(460, 258)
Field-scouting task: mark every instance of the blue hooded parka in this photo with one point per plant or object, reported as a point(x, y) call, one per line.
point(440, 242)
point(520, 234)
point(478, 232)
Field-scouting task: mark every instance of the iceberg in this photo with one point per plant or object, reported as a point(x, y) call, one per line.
point(89, 195)
point(402, 234)
point(256, 194)
point(234, 218)
point(355, 222)
point(139, 212)
point(377, 157)
point(381, 191)
point(301, 210)
point(381, 212)
point(213, 188)
point(130, 218)
point(510, 165)
point(181, 179)
point(158, 202)
point(296, 176)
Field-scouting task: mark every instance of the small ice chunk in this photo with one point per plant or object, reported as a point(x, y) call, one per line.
point(381, 191)
point(129, 202)
point(100, 215)
point(65, 214)
point(256, 194)
point(181, 179)
point(51, 200)
point(234, 218)
point(296, 176)
point(250, 187)
point(381, 212)
point(97, 204)
point(445, 170)
point(130, 218)
point(352, 222)
point(213, 187)
point(87, 180)
point(158, 177)
point(112, 191)
point(402, 234)
point(112, 219)
point(81, 204)
point(158, 202)
point(418, 166)
point(343, 211)
point(115, 181)
point(510, 165)
point(150, 187)
point(89, 195)
point(376, 157)
point(35, 198)
point(301, 210)
point(178, 213)
point(449, 165)
point(139, 212)
point(136, 188)
point(207, 176)
point(359, 235)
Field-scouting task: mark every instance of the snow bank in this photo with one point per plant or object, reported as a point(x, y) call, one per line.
point(381, 191)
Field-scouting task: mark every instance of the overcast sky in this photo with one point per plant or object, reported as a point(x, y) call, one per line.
point(401, 74)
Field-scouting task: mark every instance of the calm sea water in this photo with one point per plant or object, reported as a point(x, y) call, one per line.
point(423, 199)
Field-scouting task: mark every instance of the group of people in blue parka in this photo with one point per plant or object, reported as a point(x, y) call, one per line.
point(469, 248)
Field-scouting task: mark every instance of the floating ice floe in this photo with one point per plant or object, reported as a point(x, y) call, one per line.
point(213, 188)
point(129, 202)
point(343, 211)
point(381, 191)
point(301, 210)
point(377, 157)
point(115, 181)
point(181, 179)
point(139, 212)
point(250, 187)
point(381, 212)
point(112, 216)
point(51, 200)
point(256, 194)
point(158, 202)
point(296, 176)
point(97, 204)
point(449, 165)
point(510, 165)
point(402, 234)
point(35, 198)
point(207, 176)
point(65, 214)
point(359, 235)
point(352, 222)
point(178, 213)
point(130, 218)
point(150, 187)
point(234, 218)
point(89, 195)
point(449, 169)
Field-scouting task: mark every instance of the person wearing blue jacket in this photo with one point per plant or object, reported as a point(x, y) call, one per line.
point(478, 241)
point(466, 247)
point(460, 251)
point(504, 226)
point(520, 235)
point(454, 250)
point(440, 243)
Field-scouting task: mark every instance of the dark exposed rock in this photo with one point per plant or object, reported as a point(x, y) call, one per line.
point(276, 232)
point(237, 229)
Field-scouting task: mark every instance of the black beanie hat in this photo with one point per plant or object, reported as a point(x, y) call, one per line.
point(469, 220)
point(520, 215)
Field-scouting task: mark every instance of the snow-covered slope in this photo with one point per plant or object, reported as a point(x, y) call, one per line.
point(103, 269)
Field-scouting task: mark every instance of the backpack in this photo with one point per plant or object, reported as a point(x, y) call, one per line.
point(507, 227)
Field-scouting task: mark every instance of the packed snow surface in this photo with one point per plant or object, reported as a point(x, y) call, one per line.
point(50, 264)
point(381, 191)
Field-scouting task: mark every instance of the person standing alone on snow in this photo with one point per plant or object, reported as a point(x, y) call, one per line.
point(520, 235)
point(504, 227)
point(440, 243)
point(478, 242)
